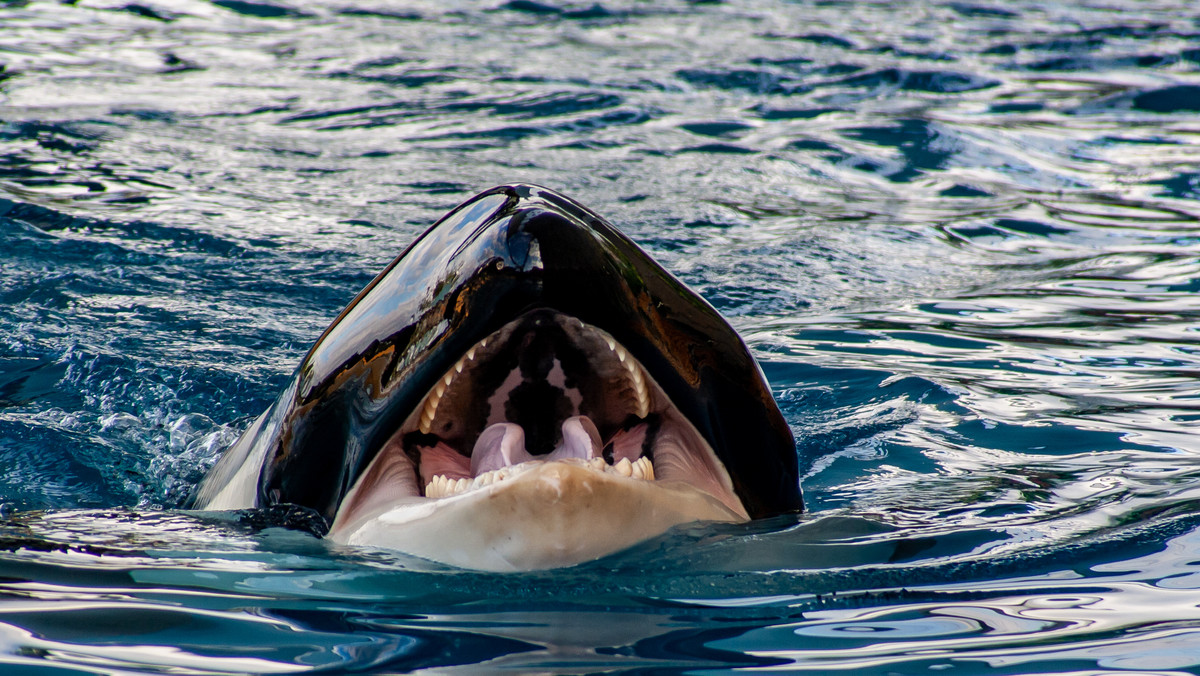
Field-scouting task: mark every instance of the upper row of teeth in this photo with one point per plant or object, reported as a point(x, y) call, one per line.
point(641, 394)
point(442, 486)
point(635, 377)
point(435, 397)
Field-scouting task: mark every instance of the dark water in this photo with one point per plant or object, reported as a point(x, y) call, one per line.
point(962, 237)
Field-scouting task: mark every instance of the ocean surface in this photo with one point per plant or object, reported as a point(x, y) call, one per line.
point(962, 237)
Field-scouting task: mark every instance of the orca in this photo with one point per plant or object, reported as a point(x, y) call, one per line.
point(522, 388)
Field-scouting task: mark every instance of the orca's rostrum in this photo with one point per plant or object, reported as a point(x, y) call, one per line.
point(522, 388)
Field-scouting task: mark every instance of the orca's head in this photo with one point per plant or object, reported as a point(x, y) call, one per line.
point(524, 388)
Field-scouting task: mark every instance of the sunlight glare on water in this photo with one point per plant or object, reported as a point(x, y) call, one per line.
point(961, 237)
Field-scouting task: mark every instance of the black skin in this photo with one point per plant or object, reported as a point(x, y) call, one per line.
point(501, 254)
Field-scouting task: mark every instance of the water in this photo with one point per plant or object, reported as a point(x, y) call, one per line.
point(962, 237)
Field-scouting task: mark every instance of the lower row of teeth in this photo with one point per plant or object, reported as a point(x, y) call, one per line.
point(441, 486)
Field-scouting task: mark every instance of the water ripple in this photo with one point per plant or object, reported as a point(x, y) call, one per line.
point(962, 237)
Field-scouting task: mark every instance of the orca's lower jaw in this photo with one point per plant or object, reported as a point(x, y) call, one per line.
point(545, 445)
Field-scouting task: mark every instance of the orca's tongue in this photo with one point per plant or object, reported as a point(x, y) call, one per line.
point(503, 444)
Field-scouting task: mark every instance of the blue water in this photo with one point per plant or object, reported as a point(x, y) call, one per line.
point(963, 238)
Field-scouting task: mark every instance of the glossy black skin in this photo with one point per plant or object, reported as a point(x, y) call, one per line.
point(500, 254)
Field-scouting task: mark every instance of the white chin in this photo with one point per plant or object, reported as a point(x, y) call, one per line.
point(552, 515)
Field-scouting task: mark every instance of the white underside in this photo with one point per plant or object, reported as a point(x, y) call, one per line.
point(553, 514)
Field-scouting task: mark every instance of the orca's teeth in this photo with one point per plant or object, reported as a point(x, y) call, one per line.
point(429, 410)
point(636, 379)
point(643, 469)
point(441, 486)
point(639, 388)
point(434, 488)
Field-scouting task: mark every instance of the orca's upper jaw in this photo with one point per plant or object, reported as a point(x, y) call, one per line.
point(519, 329)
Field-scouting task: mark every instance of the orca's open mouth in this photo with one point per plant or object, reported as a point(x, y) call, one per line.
point(544, 388)
point(522, 387)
